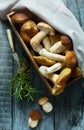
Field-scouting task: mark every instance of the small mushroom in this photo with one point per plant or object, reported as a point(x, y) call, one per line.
point(46, 105)
point(61, 81)
point(41, 60)
point(61, 46)
point(51, 76)
point(34, 118)
point(42, 100)
point(45, 29)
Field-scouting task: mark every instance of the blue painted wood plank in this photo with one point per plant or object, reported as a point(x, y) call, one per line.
point(22, 109)
point(5, 77)
point(69, 105)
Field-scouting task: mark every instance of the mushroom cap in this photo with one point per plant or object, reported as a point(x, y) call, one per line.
point(42, 60)
point(19, 18)
point(71, 59)
point(28, 30)
point(45, 26)
point(63, 76)
point(67, 42)
point(42, 100)
point(35, 115)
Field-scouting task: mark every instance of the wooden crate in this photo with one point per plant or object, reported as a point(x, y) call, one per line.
point(30, 53)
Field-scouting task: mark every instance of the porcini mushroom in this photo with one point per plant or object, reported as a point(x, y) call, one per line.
point(34, 118)
point(61, 81)
point(46, 105)
point(61, 46)
point(57, 66)
point(44, 30)
point(52, 56)
point(28, 30)
point(19, 17)
point(51, 76)
point(42, 60)
point(69, 58)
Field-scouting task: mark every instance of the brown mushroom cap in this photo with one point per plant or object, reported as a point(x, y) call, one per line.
point(41, 60)
point(71, 59)
point(42, 100)
point(45, 26)
point(67, 42)
point(35, 115)
point(28, 30)
point(19, 18)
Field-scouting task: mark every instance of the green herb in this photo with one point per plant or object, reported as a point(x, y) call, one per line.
point(22, 86)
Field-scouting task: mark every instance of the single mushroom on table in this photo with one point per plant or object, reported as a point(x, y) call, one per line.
point(45, 29)
point(61, 82)
point(62, 46)
point(46, 104)
point(34, 118)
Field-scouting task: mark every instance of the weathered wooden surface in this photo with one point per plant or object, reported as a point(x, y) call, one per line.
point(68, 113)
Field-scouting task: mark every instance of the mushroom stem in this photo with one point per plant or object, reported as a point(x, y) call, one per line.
point(61, 46)
point(46, 43)
point(54, 67)
point(57, 48)
point(35, 41)
point(52, 56)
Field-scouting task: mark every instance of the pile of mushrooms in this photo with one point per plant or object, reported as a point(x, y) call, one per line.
point(54, 53)
point(56, 61)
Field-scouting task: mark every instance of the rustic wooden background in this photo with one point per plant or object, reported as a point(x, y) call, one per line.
point(68, 112)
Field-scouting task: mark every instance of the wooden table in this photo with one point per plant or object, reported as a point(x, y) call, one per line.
point(68, 112)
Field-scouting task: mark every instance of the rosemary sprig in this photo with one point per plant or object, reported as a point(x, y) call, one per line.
point(22, 85)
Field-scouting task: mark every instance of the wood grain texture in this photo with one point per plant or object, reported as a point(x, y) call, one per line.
point(69, 105)
point(5, 77)
point(68, 112)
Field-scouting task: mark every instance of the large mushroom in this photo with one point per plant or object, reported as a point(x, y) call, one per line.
point(28, 30)
point(45, 29)
point(69, 59)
